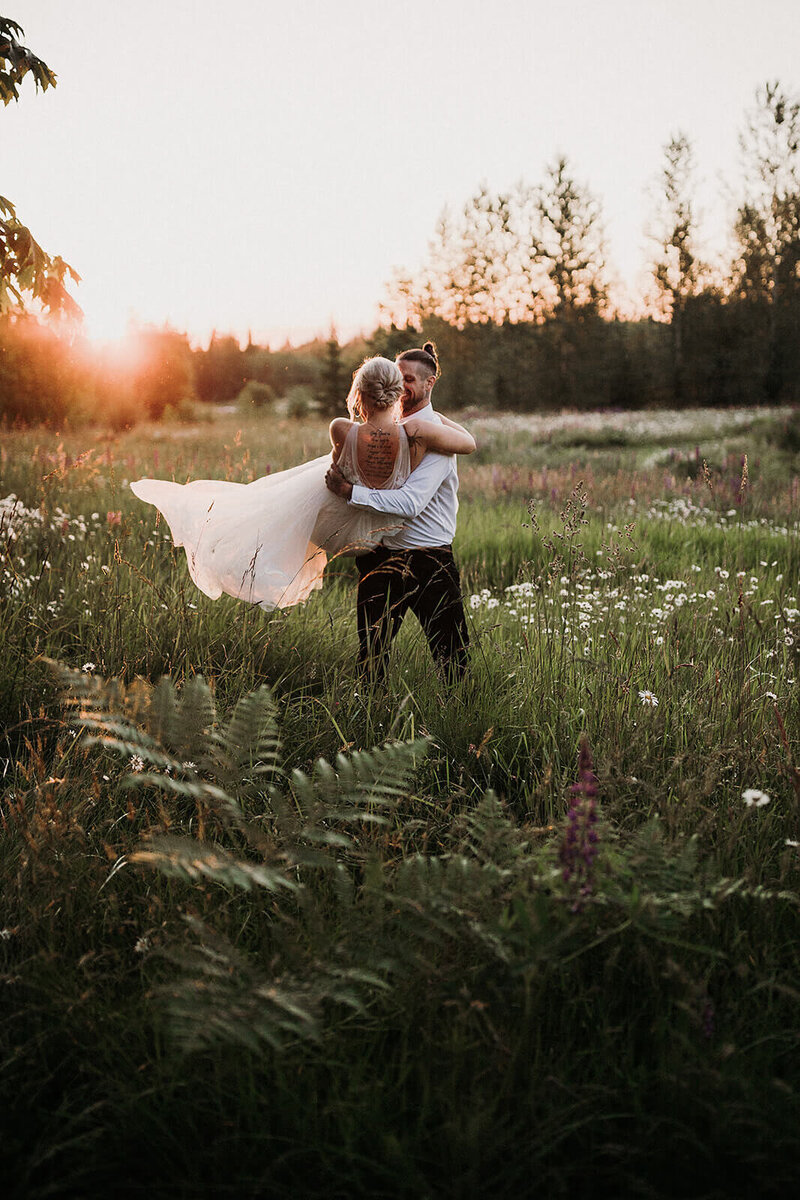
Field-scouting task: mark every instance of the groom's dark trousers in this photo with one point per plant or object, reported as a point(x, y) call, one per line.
point(426, 581)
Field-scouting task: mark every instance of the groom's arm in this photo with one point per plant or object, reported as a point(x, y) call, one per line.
point(408, 500)
point(415, 494)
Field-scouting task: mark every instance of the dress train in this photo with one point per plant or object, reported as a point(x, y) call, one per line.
point(268, 542)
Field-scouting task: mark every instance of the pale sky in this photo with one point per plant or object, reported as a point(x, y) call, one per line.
point(263, 165)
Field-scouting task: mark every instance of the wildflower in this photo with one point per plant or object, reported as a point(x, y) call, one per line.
point(755, 798)
point(192, 766)
point(6, 934)
point(648, 698)
point(89, 666)
point(659, 640)
point(114, 518)
point(142, 945)
point(789, 842)
point(770, 695)
point(136, 763)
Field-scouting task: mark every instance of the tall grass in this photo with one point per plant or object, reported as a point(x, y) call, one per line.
point(254, 976)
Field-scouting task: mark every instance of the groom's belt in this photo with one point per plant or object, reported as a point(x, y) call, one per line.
point(404, 552)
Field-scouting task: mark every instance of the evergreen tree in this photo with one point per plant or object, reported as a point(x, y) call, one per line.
point(220, 371)
point(677, 271)
point(568, 284)
point(568, 243)
point(333, 388)
point(767, 231)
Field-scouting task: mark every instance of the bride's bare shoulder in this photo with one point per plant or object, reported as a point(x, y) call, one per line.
point(339, 429)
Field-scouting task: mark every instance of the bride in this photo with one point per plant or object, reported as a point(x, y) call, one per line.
point(269, 541)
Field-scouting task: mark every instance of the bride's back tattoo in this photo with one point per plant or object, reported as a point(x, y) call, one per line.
point(377, 452)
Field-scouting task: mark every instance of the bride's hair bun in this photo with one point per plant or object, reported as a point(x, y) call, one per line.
point(377, 384)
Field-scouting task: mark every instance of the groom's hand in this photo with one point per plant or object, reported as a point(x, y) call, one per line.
point(336, 483)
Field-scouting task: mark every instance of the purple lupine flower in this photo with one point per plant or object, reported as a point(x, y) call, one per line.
point(578, 849)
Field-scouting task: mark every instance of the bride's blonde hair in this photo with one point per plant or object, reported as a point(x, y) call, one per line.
point(377, 384)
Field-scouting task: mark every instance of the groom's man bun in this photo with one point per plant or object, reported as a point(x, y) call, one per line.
point(426, 356)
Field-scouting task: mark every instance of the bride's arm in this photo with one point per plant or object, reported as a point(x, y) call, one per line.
point(446, 438)
point(338, 431)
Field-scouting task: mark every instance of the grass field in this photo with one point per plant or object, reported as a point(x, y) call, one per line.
point(537, 935)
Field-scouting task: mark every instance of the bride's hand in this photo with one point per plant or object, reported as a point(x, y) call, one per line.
point(336, 483)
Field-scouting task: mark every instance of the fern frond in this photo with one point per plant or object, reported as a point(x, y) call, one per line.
point(493, 838)
point(222, 997)
point(127, 739)
point(195, 719)
point(191, 860)
point(163, 714)
point(378, 778)
point(249, 745)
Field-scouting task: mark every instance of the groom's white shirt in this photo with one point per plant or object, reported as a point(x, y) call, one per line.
point(428, 500)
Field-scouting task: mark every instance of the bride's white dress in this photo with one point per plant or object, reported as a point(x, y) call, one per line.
point(269, 541)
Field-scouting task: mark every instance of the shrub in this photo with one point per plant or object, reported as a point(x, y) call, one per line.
point(299, 402)
point(255, 395)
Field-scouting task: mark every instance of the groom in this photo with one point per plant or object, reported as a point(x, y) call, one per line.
point(413, 569)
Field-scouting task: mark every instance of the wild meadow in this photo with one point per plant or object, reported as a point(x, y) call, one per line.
point(266, 932)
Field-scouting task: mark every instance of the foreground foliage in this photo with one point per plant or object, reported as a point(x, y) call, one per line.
point(522, 937)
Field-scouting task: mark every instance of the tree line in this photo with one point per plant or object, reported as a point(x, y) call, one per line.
point(515, 291)
point(49, 376)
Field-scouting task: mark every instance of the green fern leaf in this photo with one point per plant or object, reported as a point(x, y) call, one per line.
point(191, 860)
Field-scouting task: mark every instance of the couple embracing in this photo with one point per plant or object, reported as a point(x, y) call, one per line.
point(387, 493)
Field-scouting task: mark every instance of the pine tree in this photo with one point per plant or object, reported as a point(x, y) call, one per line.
point(333, 390)
point(677, 270)
point(767, 231)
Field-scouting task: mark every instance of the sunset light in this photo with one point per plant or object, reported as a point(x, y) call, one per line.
point(287, 199)
point(103, 323)
point(400, 599)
